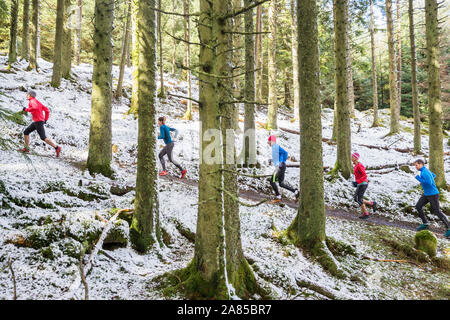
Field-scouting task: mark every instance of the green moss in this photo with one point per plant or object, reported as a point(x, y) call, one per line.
point(47, 252)
point(166, 238)
point(426, 241)
point(339, 248)
point(71, 247)
point(406, 250)
point(43, 236)
point(118, 234)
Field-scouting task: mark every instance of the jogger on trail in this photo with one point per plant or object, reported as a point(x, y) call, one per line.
point(279, 157)
point(431, 195)
point(168, 149)
point(361, 185)
point(37, 110)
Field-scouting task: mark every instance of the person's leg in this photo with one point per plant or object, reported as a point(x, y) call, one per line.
point(169, 154)
point(26, 134)
point(434, 203)
point(272, 182)
point(419, 207)
point(41, 131)
point(161, 158)
point(359, 193)
point(280, 177)
point(27, 140)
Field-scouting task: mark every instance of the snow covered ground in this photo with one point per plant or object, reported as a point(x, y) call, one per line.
point(40, 192)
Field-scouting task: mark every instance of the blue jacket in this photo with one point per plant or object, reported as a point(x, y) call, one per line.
point(426, 179)
point(279, 155)
point(165, 133)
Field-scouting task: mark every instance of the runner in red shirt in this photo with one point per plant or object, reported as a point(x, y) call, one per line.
point(361, 185)
point(37, 110)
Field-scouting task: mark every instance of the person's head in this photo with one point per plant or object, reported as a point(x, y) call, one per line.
point(161, 121)
point(419, 164)
point(31, 93)
point(355, 157)
point(272, 140)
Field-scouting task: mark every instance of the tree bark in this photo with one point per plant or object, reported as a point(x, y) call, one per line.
point(308, 228)
point(66, 43)
point(272, 66)
point(295, 83)
point(77, 50)
point(12, 56)
point(187, 57)
point(393, 91)
point(399, 57)
point(161, 67)
point(343, 162)
point(434, 93)
point(415, 93)
point(174, 41)
point(34, 36)
point(145, 228)
point(249, 124)
point(351, 90)
point(125, 45)
point(100, 137)
point(375, 122)
point(134, 58)
point(57, 51)
point(25, 30)
point(258, 53)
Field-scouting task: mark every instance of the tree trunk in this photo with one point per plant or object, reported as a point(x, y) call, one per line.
point(38, 31)
point(415, 93)
point(374, 68)
point(145, 228)
point(134, 58)
point(77, 49)
point(12, 56)
point(295, 84)
point(343, 162)
point(399, 57)
point(287, 90)
point(67, 43)
point(272, 66)
point(237, 59)
point(161, 67)
point(174, 41)
point(187, 58)
point(100, 138)
point(308, 228)
point(125, 45)
point(34, 36)
point(249, 120)
point(434, 93)
point(351, 91)
point(57, 51)
point(25, 30)
point(258, 53)
point(393, 91)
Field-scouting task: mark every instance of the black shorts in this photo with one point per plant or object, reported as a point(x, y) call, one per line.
point(39, 126)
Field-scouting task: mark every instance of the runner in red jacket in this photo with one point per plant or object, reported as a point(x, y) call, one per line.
point(37, 111)
point(361, 185)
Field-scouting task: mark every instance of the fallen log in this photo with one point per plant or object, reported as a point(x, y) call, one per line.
point(394, 260)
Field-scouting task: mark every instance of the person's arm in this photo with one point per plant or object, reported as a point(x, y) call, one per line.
point(176, 132)
point(283, 155)
point(47, 113)
point(31, 107)
point(161, 133)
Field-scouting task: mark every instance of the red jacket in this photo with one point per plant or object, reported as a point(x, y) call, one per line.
point(360, 173)
point(36, 109)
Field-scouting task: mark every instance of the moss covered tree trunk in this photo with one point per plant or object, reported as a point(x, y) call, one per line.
point(34, 36)
point(308, 228)
point(434, 93)
point(343, 133)
point(66, 65)
point(258, 53)
point(393, 91)
point(295, 83)
point(351, 89)
point(125, 45)
point(249, 93)
point(25, 30)
point(272, 66)
point(187, 56)
point(399, 57)
point(375, 122)
point(12, 56)
point(174, 41)
point(415, 93)
point(77, 49)
point(57, 51)
point(160, 55)
point(145, 229)
point(100, 136)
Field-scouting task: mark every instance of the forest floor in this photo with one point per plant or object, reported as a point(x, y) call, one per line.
point(50, 207)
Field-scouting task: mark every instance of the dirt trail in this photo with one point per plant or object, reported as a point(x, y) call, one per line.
point(331, 212)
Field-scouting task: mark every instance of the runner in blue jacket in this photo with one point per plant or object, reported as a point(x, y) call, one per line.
point(168, 149)
point(279, 157)
point(431, 195)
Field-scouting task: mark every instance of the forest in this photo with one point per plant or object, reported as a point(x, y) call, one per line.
point(217, 150)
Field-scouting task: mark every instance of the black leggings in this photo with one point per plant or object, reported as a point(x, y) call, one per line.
point(168, 150)
point(39, 127)
point(279, 175)
point(359, 193)
point(434, 203)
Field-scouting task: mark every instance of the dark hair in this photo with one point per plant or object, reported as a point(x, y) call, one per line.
point(161, 119)
point(419, 161)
